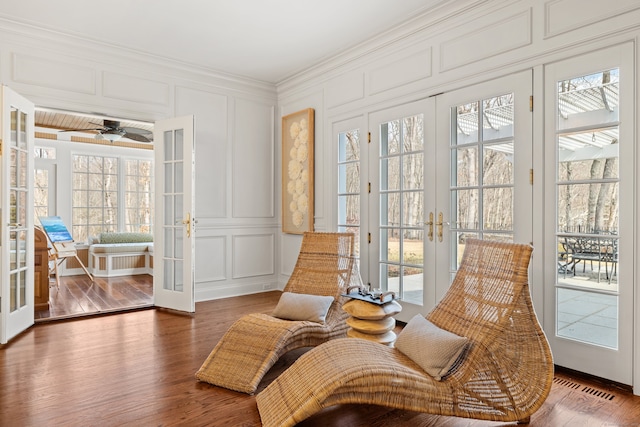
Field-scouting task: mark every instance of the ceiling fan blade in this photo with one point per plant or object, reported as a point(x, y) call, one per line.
point(136, 130)
point(79, 130)
point(136, 137)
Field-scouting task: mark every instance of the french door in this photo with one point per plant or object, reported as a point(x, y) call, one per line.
point(16, 214)
point(589, 188)
point(442, 170)
point(174, 247)
point(483, 169)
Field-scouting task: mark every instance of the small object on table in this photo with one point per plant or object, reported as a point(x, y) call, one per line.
point(371, 317)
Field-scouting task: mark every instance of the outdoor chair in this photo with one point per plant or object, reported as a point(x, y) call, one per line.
point(504, 372)
point(324, 269)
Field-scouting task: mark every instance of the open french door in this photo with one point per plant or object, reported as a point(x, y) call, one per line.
point(16, 217)
point(174, 248)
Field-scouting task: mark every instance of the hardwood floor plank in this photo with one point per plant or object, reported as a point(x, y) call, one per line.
point(78, 296)
point(137, 369)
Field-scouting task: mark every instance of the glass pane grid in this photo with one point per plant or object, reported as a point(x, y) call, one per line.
point(482, 188)
point(349, 184)
point(402, 207)
point(587, 187)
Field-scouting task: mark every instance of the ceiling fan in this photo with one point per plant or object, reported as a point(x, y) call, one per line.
point(111, 130)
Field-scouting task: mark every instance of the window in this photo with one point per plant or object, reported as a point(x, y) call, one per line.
point(41, 193)
point(111, 194)
point(45, 153)
point(95, 196)
point(44, 195)
point(138, 196)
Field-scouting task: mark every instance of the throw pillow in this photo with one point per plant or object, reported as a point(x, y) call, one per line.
point(293, 306)
point(434, 349)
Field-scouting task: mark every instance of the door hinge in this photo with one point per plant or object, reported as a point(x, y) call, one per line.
point(369, 188)
point(531, 176)
point(369, 237)
point(0, 147)
point(531, 103)
point(369, 137)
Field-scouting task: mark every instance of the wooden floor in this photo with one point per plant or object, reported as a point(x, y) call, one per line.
point(137, 369)
point(79, 296)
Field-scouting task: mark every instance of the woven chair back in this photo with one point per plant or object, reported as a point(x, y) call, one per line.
point(487, 289)
point(326, 265)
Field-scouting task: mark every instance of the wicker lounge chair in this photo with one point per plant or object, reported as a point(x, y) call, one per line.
point(251, 346)
point(505, 375)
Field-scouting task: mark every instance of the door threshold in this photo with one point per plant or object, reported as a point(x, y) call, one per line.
point(76, 316)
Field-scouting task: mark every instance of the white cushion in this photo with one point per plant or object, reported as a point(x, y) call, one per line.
point(293, 306)
point(434, 349)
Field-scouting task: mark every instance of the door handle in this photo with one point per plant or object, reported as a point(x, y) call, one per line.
point(187, 222)
point(440, 226)
point(430, 224)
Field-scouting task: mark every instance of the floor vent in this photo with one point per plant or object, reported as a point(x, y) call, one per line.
point(566, 383)
point(585, 389)
point(598, 393)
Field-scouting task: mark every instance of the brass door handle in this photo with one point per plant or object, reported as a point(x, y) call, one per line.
point(187, 222)
point(430, 224)
point(440, 226)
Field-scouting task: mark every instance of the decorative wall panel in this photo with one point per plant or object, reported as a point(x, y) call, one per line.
point(253, 255)
point(253, 160)
point(212, 141)
point(52, 74)
point(408, 66)
point(346, 88)
point(136, 89)
point(564, 15)
point(211, 258)
point(490, 40)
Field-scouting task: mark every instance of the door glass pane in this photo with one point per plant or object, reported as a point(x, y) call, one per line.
point(168, 146)
point(169, 269)
point(18, 211)
point(173, 211)
point(482, 175)
point(178, 150)
point(402, 207)
point(588, 206)
point(179, 274)
point(168, 177)
point(348, 185)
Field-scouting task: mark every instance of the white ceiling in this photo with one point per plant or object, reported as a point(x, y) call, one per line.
point(266, 40)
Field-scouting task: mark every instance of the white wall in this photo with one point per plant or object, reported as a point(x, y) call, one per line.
point(240, 248)
point(237, 230)
point(446, 51)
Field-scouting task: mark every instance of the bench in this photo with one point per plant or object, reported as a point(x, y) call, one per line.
point(121, 254)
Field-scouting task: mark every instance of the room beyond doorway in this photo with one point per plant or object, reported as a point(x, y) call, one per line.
point(78, 296)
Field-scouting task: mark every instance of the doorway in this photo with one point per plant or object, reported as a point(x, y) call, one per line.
point(96, 173)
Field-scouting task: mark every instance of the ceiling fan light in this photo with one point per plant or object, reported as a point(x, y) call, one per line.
point(111, 136)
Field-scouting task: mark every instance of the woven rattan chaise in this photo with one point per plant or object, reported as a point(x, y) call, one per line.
point(251, 346)
point(505, 375)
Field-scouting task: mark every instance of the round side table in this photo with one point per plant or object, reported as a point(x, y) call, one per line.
point(372, 321)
